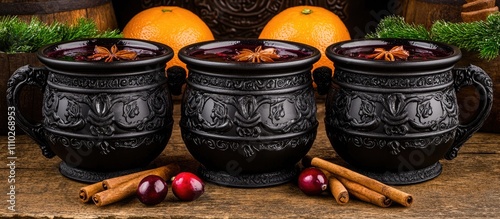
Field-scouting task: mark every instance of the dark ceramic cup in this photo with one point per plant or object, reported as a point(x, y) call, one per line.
point(395, 120)
point(102, 119)
point(248, 124)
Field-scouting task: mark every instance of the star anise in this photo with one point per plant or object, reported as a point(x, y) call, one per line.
point(101, 52)
point(397, 51)
point(264, 55)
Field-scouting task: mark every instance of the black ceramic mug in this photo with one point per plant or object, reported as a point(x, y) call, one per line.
point(394, 120)
point(102, 119)
point(248, 122)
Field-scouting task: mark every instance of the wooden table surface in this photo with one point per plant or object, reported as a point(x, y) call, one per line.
point(468, 187)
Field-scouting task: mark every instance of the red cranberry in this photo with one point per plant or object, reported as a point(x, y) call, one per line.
point(187, 186)
point(312, 181)
point(152, 190)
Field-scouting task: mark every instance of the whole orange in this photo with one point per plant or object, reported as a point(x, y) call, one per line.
point(315, 26)
point(174, 26)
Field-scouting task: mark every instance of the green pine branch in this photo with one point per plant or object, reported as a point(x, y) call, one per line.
point(17, 36)
point(396, 27)
point(480, 36)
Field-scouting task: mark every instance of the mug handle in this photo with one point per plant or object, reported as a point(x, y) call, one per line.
point(28, 75)
point(477, 77)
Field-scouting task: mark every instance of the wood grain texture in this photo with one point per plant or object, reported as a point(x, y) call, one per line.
point(425, 12)
point(63, 11)
point(468, 187)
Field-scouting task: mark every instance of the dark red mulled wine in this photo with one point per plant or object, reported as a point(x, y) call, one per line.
point(83, 53)
point(416, 53)
point(226, 54)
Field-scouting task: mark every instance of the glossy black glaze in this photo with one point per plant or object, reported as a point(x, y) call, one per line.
point(248, 123)
point(395, 120)
point(101, 119)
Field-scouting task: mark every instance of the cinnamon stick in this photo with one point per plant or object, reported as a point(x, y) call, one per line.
point(114, 182)
point(365, 194)
point(338, 190)
point(87, 192)
point(123, 189)
point(392, 193)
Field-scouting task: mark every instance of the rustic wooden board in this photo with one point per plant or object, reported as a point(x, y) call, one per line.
point(103, 16)
point(427, 11)
point(468, 187)
point(63, 11)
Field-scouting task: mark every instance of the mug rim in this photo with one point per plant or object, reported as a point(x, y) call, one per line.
point(54, 63)
point(454, 54)
point(184, 55)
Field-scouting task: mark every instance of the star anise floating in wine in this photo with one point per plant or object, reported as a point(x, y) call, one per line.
point(391, 55)
point(101, 52)
point(259, 55)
